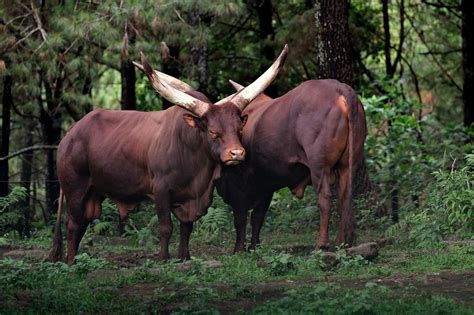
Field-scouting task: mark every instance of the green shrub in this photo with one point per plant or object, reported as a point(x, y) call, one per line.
point(9, 216)
point(449, 210)
point(280, 264)
point(453, 199)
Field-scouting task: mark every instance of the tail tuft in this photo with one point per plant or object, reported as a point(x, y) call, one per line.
point(57, 251)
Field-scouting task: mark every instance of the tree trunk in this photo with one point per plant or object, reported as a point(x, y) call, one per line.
point(51, 127)
point(468, 60)
point(264, 11)
point(390, 71)
point(127, 71)
point(26, 172)
point(170, 64)
point(199, 52)
point(87, 90)
point(386, 31)
point(333, 45)
point(5, 145)
point(52, 135)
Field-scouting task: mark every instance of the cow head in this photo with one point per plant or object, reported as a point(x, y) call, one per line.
point(222, 122)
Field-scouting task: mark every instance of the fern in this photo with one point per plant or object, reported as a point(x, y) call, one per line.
point(11, 216)
point(214, 221)
point(102, 227)
point(17, 194)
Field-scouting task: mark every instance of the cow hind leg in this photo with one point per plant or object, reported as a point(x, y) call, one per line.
point(347, 223)
point(76, 227)
point(123, 217)
point(321, 184)
point(82, 212)
point(258, 217)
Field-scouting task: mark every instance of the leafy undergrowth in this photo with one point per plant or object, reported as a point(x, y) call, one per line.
point(283, 276)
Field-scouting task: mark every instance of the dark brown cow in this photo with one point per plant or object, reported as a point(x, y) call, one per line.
point(171, 157)
point(307, 136)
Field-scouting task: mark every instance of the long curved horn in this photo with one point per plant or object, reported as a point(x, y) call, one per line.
point(176, 83)
point(246, 95)
point(172, 94)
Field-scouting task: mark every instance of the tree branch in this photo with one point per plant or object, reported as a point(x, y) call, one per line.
point(415, 78)
point(39, 24)
point(401, 36)
point(29, 149)
point(447, 52)
point(438, 63)
point(442, 5)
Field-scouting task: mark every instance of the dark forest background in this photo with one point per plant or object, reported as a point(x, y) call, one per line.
point(412, 62)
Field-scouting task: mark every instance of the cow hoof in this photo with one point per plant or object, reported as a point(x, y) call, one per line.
point(163, 257)
point(239, 248)
point(183, 258)
point(324, 247)
point(252, 247)
point(237, 251)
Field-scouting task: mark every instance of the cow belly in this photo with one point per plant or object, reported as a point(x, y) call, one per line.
point(124, 188)
point(276, 175)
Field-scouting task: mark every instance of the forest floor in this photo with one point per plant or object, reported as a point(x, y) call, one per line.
point(284, 275)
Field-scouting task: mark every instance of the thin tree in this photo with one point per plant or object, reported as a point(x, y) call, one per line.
point(263, 9)
point(170, 63)
point(468, 60)
point(199, 48)
point(127, 71)
point(390, 69)
point(7, 101)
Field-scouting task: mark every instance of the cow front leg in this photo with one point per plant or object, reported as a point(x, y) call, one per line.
point(322, 184)
point(258, 217)
point(185, 232)
point(240, 223)
point(166, 229)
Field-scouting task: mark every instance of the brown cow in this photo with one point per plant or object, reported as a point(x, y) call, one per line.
point(306, 136)
point(171, 157)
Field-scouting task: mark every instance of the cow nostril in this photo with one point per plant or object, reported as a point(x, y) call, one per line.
point(237, 153)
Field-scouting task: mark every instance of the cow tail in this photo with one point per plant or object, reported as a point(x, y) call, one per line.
point(56, 253)
point(349, 216)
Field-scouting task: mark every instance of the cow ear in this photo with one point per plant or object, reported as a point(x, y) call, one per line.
point(244, 120)
point(191, 120)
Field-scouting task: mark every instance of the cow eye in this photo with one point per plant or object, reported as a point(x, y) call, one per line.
point(213, 134)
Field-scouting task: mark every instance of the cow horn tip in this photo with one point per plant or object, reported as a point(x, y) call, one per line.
point(285, 51)
point(146, 66)
point(138, 65)
point(236, 85)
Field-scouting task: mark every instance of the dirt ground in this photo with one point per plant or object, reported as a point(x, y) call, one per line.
point(456, 285)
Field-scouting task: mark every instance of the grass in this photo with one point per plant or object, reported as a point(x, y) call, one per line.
point(283, 276)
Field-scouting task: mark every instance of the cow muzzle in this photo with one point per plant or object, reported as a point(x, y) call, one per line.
point(234, 156)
